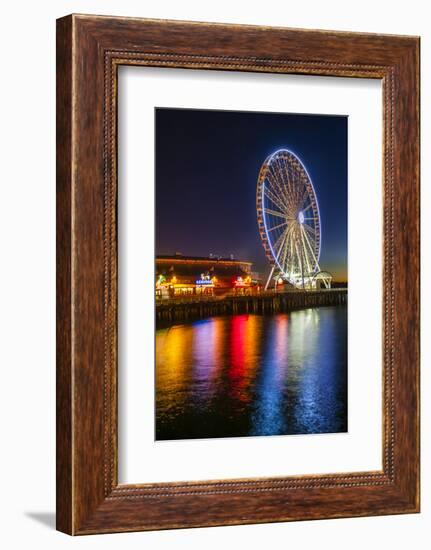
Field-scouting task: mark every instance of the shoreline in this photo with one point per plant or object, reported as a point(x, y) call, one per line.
point(183, 311)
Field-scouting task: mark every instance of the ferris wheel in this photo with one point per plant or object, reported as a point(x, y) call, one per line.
point(289, 221)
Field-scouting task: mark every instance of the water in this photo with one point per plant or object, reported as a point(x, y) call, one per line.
point(253, 375)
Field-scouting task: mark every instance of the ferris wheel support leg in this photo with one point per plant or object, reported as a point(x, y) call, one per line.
point(270, 277)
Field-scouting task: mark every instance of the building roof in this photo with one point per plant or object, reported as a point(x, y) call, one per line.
point(199, 259)
point(192, 267)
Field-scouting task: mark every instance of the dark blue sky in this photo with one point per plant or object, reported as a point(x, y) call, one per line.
point(207, 164)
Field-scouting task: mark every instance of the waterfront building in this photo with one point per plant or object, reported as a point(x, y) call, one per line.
point(179, 276)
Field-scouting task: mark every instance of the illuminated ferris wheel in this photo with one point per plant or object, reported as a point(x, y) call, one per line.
point(289, 221)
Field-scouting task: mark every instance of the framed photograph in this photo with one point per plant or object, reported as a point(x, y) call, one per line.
point(237, 274)
point(241, 348)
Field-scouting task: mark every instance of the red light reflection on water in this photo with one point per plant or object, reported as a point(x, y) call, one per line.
point(243, 350)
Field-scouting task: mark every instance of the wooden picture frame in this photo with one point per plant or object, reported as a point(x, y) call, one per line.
point(89, 51)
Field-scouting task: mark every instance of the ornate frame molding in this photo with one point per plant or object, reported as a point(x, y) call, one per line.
point(90, 49)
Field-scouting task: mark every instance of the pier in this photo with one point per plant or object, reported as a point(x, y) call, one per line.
point(180, 310)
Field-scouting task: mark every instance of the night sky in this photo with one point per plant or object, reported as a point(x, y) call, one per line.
point(207, 165)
